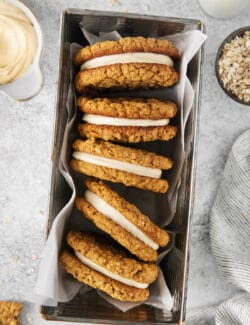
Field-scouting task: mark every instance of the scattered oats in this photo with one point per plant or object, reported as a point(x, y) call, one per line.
point(41, 212)
point(34, 257)
point(234, 67)
point(30, 271)
point(16, 258)
point(147, 7)
point(29, 319)
point(3, 200)
point(9, 219)
point(114, 2)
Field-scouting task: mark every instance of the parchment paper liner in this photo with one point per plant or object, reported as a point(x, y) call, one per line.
point(53, 284)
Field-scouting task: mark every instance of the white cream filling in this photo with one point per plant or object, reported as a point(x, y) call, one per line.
point(138, 57)
point(117, 164)
point(106, 272)
point(106, 120)
point(113, 214)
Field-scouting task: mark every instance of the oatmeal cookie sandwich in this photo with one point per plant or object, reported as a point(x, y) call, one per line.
point(128, 63)
point(121, 220)
point(103, 267)
point(119, 164)
point(129, 120)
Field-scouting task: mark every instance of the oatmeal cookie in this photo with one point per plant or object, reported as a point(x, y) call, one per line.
point(112, 162)
point(126, 45)
point(129, 211)
point(131, 108)
point(127, 134)
point(111, 259)
point(157, 185)
point(9, 312)
point(97, 280)
point(118, 233)
point(121, 153)
point(126, 76)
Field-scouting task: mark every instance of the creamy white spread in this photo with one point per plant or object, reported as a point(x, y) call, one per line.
point(117, 164)
point(138, 57)
point(106, 120)
point(113, 214)
point(18, 42)
point(108, 273)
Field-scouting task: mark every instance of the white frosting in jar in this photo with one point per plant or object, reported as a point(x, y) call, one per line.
point(138, 57)
point(117, 164)
point(113, 214)
point(18, 42)
point(118, 121)
point(108, 273)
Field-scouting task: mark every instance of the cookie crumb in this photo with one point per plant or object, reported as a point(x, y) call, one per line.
point(234, 67)
point(16, 258)
point(41, 212)
point(34, 257)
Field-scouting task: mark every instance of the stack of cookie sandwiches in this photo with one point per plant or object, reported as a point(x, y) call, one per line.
point(109, 125)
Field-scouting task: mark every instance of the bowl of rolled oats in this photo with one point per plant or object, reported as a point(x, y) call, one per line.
point(233, 65)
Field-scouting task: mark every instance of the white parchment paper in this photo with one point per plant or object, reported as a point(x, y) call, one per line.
point(53, 284)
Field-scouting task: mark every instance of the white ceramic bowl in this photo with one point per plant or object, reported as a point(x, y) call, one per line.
point(29, 84)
